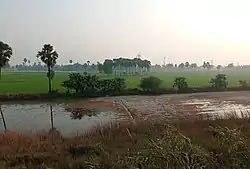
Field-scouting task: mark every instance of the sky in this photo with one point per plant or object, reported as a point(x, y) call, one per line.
point(82, 30)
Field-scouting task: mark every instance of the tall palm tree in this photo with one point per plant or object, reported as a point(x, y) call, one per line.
point(5, 55)
point(49, 56)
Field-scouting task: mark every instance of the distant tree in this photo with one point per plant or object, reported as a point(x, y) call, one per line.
point(108, 66)
point(175, 65)
point(230, 65)
point(193, 66)
point(180, 83)
point(70, 61)
point(5, 55)
point(150, 83)
point(25, 61)
point(88, 62)
point(170, 65)
point(218, 67)
point(204, 65)
point(29, 62)
point(100, 67)
point(219, 82)
point(181, 65)
point(49, 56)
point(187, 64)
point(85, 66)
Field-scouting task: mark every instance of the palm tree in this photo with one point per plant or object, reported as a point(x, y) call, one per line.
point(72, 66)
point(5, 54)
point(85, 66)
point(49, 56)
point(25, 61)
point(187, 64)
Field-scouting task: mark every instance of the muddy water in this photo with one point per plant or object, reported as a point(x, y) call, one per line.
point(37, 117)
point(79, 116)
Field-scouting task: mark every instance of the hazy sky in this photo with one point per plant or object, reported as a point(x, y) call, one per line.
point(81, 30)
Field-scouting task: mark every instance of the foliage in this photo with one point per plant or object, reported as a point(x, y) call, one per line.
point(150, 83)
point(193, 65)
point(100, 67)
point(180, 83)
point(243, 83)
point(49, 56)
point(5, 55)
point(181, 65)
point(219, 82)
point(87, 83)
point(230, 65)
point(218, 67)
point(108, 66)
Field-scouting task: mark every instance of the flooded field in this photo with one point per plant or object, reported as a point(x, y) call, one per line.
point(78, 116)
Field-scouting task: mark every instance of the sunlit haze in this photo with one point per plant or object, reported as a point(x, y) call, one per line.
point(81, 30)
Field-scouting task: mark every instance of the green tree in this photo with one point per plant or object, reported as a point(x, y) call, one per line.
point(49, 56)
point(193, 66)
point(230, 65)
point(100, 67)
point(218, 67)
point(180, 83)
point(88, 62)
point(219, 82)
point(150, 83)
point(204, 65)
point(187, 64)
point(5, 55)
point(108, 66)
point(182, 65)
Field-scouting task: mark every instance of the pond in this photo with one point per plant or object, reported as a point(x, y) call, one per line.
point(67, 120)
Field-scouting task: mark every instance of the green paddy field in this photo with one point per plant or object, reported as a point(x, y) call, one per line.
point(36, 82)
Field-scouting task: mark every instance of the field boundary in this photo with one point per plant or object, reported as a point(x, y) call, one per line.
point(127, 92)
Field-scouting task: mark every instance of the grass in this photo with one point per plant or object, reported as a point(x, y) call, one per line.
point(36, 82)
point(183, 144)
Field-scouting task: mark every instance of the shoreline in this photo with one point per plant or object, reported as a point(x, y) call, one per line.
point(12, 97)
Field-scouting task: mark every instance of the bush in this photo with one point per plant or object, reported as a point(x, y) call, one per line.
point(219, 82)
point(150, 83)
point(86, 83)
point(81, 82)
point(181, 84)
point(243, 83)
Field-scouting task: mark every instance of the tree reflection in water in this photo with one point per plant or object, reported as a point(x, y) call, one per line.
point(79, 113)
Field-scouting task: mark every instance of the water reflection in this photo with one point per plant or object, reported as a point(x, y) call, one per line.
point(54, 118)
point(79, 113)
point(3, 119)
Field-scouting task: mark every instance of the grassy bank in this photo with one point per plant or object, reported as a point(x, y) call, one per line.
point(36, 82)
point(221, 144)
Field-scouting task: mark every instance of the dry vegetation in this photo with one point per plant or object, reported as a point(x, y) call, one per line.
point(191, 144)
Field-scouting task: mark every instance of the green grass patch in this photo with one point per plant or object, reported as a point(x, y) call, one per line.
point(36, 82)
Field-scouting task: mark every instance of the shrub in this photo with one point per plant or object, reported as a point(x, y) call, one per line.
point(219, 82)
point(180, 83)
point(119, 84)
point(150, 83)
point(243, 83)
point(86, 83)
point(81, 82)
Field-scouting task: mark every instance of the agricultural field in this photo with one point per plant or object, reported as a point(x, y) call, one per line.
point(36, 82)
